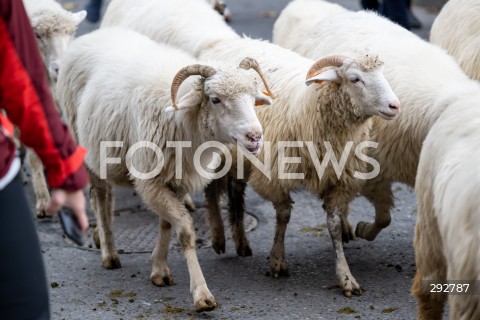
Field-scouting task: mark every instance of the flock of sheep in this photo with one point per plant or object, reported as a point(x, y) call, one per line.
point(330, 75)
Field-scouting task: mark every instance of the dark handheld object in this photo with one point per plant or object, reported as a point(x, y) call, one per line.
point(70, 226)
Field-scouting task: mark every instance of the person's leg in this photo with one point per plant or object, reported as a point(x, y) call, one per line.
point(93, 10)
point(397, 11)
point(370, 4)
point(23, 284)
point(414, 22)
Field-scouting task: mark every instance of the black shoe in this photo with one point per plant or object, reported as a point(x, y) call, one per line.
point(414, 22)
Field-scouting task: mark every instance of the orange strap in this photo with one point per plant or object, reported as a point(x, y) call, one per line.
point(6, 124)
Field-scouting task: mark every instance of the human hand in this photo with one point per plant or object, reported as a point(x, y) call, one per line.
point(73, 200)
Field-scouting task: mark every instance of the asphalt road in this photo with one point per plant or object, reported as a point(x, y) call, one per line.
point(82, 289)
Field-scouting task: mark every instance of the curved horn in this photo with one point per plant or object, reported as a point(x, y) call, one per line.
point(250, 63)
point(331, 61)
point(184, 73)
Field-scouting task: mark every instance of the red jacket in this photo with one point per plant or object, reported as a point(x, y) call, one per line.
point(27, 101)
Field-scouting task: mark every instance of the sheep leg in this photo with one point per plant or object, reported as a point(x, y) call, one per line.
point(335, 211)
point(169, 206)
point(380, 195)
point(213, 199)
point(161, 275)
point(236, 210)
point(347, 229)
point(278, 265)
point(101, 199)
point(430, 264)
point(42, 195)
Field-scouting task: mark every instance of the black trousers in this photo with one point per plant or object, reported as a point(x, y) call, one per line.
point(395, 10)
point(23, 284)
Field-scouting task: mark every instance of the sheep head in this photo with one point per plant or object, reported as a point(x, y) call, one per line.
point(362, 80)
point(228, 96)
point(54, 32)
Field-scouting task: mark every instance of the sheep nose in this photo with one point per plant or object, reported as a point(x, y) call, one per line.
point(254, 136)
point(394, 105)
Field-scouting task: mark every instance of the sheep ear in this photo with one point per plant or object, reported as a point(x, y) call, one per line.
point(328, 75)
point(192, 99)
point(79, 16)
point(262, 98)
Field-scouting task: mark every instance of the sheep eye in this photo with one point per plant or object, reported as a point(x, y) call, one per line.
point(355, 80)
point(215, 100)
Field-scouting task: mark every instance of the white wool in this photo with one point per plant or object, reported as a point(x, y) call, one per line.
point(54, 28)
point(412, 69)
point(447, 236)
point(439, 111)
point(114, 85)
point(150, 17)
point(457, 30)
point(193, 26)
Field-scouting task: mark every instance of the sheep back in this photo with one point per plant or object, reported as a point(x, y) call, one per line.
point(164, 20)
point(457, 30)
point(114, 86)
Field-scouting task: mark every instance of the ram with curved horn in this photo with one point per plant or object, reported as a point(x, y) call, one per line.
point(124, 95)
point(338, 108)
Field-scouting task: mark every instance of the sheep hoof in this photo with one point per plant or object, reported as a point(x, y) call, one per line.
point(40, 213)
point(96, 238)
point(279, 270)
point(244, 250)
point(350, 286)
point(42, 203)
point(112, 262)
point(160, 281)
point(207, 303)
point(361, 231)
point(219, 245)
point(356, 291)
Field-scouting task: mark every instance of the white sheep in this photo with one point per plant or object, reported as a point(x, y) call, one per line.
point(353, 90)
point(54, 28)
point(457, 30)
point(448, 220)
point(343, 106)
point(412, 67)
point(146, 17)
point(115, 85)
point(298, 19)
